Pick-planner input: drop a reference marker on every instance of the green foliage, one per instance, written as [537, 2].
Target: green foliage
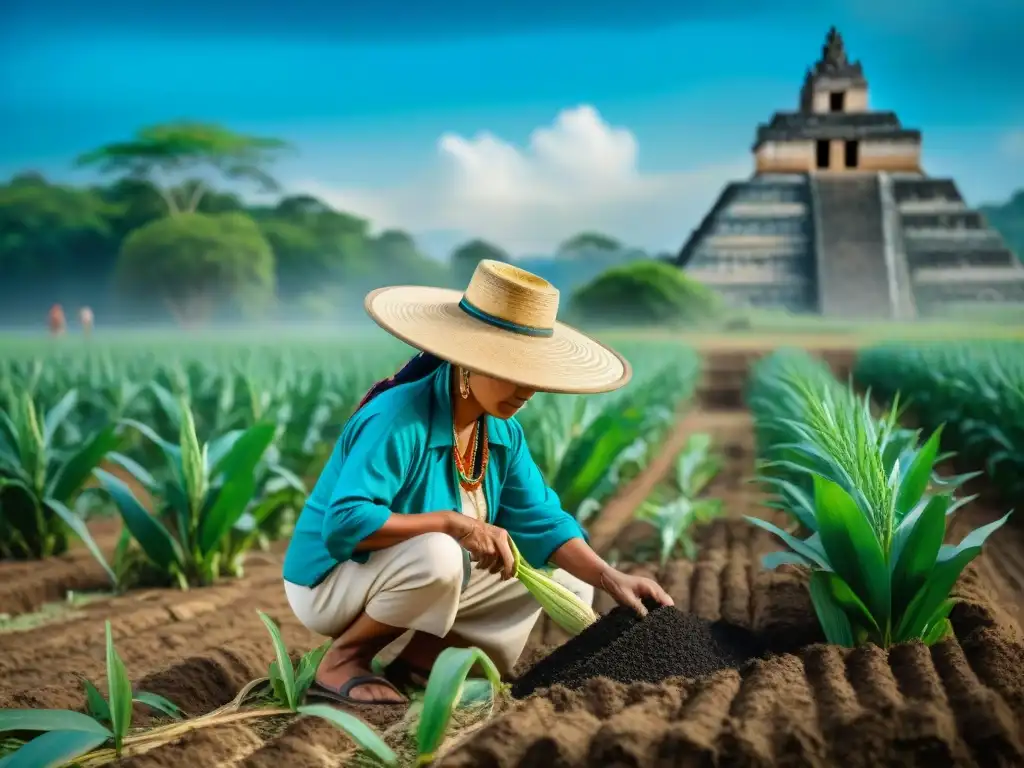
[40, 478]
[862, 488]
[187, 148]
[67, 735]
[588, 241]
[465, 258]
[587, 447]
[193, 262]
[444, 691]
[203, 493]
[673, 508]
[645, 292]
[976, 390]
[1008, 220]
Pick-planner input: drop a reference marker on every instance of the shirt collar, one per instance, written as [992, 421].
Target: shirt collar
[441, 414]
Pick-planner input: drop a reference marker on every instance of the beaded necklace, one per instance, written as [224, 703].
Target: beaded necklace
[478, 456]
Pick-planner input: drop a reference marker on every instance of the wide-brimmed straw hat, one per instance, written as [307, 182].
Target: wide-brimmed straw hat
[503, 326]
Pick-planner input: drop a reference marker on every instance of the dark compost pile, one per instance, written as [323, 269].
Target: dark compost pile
[623, 647]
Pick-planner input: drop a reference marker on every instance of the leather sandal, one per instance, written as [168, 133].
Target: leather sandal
[405, 677]
[342, 695]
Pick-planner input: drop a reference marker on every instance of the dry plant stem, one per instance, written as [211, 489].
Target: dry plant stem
[144, 742]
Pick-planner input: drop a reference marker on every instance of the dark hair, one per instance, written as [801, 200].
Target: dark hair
[419, 367]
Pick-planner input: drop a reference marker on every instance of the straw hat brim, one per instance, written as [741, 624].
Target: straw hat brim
[429, 319]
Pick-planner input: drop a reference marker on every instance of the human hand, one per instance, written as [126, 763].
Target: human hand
[630, 590]
[487, 545]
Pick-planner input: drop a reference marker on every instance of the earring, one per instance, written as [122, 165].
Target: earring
[464, 384]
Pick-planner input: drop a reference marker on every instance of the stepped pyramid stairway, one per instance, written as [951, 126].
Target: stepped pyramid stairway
[853, 276]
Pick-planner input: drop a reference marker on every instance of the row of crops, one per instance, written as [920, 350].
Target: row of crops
[867, 509]
[206, 453]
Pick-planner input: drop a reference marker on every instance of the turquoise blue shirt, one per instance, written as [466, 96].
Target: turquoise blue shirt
[395, 455]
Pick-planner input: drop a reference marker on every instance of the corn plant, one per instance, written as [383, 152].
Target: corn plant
[673, 508]
[66, 735]
[39, 480]
[191, 539]
[879, 570]
[976, 390]
[559, 602]
[587, 448]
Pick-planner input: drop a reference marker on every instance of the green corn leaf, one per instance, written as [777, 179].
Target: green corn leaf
[53, 748]
[78, 526]
[852, 547]
[773, 560]
[795, 544]
[218, 448]
[948, 566]
[937, 632]
[799, 503]
[50, 720]
[284, 662]
[358, 731]
[915, 549]
[74, 472]
[159, 703]
[95, 703]
[136, 470]
[915, 481]
[57, 415]
[238, 466]
[307, 667]
[851, 605]
[155, 540]
[192, 462]
[119, 696]
[833, 620]
[444, 691]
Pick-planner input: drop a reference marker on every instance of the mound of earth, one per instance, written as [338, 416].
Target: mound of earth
[623, 647]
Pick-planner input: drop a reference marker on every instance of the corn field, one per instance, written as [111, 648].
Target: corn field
[976, 390]
[206, 451]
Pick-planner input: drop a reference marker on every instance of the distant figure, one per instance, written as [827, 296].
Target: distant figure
[85, 318]
[57, 322]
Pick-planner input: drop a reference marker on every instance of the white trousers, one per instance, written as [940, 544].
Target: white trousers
[417, 585]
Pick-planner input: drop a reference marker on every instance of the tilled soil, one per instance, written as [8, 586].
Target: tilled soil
[958, 703]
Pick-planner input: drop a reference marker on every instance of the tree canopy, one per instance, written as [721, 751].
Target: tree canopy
[468, 255]
[645, 292]
[160, 153]
[585, 241]
[195, 262]
[1008, 219]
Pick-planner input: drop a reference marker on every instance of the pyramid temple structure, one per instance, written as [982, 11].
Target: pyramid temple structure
[840, 219]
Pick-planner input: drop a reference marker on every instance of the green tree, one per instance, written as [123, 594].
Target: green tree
[56, 244]
[585, 241]
[195, 263]
[160, 153]
[465, 258]
[645, 292]
[1008, 220]
[314, 244]
[396, 257]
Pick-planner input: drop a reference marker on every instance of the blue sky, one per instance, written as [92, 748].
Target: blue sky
[365, 92]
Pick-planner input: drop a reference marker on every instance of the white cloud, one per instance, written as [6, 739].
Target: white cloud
[1012, 144]
[578, 173]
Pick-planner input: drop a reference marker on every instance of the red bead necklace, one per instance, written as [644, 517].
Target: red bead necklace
[466, 478]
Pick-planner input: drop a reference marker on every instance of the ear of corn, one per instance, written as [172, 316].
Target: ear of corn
[866, 495]
[560, 603]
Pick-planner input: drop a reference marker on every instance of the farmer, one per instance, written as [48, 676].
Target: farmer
[85, 318]
[57, 323]
[432, 474]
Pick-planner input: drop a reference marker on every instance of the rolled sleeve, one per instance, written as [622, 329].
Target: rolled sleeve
[531, 511]
[371, 475]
